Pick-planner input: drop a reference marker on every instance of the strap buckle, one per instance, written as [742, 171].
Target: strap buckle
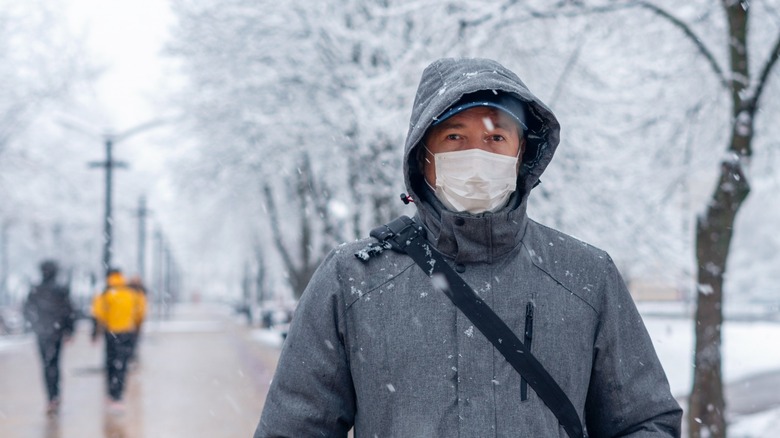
[395, 235]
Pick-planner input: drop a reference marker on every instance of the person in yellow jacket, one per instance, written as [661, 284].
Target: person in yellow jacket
[119, 311]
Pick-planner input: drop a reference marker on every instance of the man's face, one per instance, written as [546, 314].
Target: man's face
[481, 127]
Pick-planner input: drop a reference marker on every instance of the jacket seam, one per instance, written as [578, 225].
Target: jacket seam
[389, 279]
[555, 279]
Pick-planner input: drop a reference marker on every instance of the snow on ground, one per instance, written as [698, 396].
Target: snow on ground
[747, 349]
[763, 425]
[9, 342]
[268, 337]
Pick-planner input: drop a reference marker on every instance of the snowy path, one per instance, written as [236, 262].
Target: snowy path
[200, 375]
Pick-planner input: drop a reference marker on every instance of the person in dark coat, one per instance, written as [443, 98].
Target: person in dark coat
[50, 313]
[137, 285]
[376, 346]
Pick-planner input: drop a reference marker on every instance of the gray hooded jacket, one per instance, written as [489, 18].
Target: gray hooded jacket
[375, 347]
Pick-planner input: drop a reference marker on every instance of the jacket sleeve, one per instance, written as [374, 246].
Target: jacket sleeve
[30, 309]
[98, 309]
[312, 392]
[629, 394]
[141, 308]
[69, 313]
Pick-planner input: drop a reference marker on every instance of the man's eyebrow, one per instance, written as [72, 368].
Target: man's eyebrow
[450, 124]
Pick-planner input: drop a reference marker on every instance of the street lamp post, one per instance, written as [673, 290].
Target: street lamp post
[142, 213]
[4, 245]
[109, 165]
[110, 140]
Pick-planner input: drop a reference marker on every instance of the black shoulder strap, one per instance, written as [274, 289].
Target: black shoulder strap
[405, 236]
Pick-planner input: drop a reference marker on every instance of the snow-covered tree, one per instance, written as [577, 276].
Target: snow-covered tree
[302, 111]
[41, 66]
[296, 96]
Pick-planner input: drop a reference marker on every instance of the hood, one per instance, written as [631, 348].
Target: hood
[115, 279]
[49, 270]
[444, 82]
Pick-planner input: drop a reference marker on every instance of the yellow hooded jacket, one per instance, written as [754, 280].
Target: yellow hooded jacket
[119, 309]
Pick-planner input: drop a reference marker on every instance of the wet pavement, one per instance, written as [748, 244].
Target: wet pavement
[199, 374]
[754, 394]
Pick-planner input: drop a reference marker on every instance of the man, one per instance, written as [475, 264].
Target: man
[50, 313]
[377, 347]
[119, 311]
[138, 287]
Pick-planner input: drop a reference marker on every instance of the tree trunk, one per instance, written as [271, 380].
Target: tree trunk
[314, 225]
[714, 230]
[298, 269]
[260, 293]
[713, 238]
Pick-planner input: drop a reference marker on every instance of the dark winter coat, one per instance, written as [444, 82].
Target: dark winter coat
[49, 310]
[374, 345]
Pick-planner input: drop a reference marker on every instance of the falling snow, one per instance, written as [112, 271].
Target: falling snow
[704, 289]
[440, 282]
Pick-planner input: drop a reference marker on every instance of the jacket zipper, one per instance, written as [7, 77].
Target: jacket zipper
[529, 331]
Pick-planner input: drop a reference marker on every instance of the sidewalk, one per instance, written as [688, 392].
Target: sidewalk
[199, 375]
[752, 405]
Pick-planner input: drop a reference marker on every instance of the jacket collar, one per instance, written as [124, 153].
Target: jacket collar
[468, 238]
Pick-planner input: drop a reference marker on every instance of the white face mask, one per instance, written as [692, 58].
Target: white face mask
[474, 180]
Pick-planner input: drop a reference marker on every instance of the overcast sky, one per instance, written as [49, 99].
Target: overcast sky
[126, 37]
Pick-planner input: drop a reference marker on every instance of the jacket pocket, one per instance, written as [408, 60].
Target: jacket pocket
[527, 337]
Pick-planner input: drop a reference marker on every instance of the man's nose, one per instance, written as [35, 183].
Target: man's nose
[477, 144]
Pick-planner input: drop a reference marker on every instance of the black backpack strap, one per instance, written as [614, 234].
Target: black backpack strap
[404, 235]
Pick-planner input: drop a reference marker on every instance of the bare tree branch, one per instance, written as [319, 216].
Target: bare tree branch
[581, 10]
[506, 20]
[477, 21]
[570, 63]
[764, 76]
[273, 215]
[692, 36]
[321, 198]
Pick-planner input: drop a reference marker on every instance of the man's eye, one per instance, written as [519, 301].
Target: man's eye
[496, 137]
[453, 137]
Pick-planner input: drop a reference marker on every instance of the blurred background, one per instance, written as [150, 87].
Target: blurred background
[248, 138]
[219, 149]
